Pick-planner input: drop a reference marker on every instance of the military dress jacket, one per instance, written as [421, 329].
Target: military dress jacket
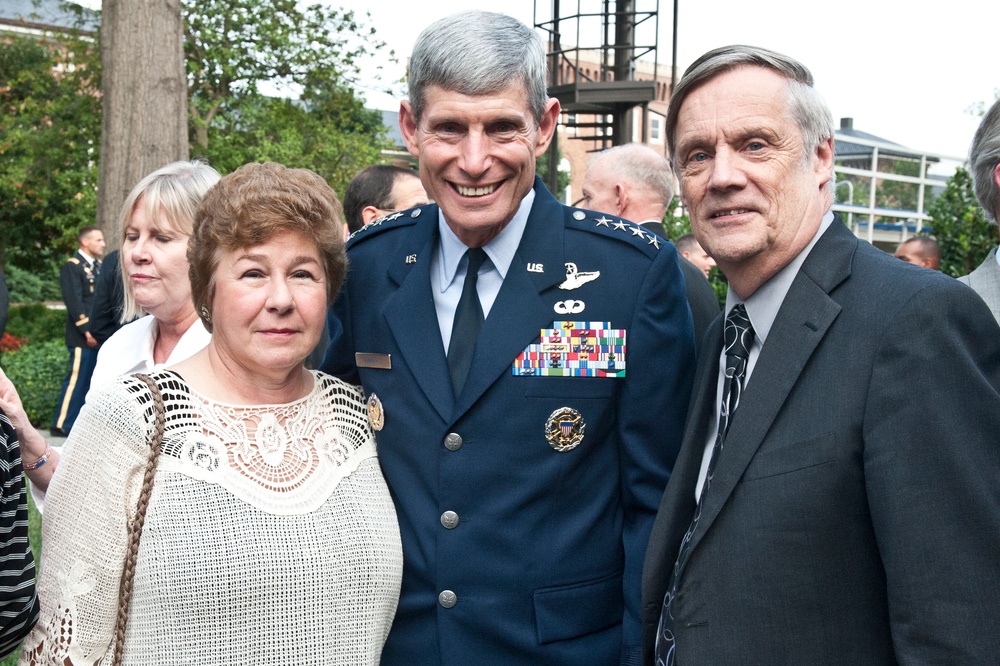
[525, 504]
[76, 279]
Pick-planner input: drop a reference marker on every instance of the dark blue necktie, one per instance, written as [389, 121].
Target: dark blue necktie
[738, 337]
[468, 321]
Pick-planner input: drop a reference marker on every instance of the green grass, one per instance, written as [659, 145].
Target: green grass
[35, 538]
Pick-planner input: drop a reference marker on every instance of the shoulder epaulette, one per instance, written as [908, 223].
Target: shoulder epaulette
[73, 260]
[395, 220]
[616, 228]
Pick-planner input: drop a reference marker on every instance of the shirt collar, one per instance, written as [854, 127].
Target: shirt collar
[763, 304]
[500, 250]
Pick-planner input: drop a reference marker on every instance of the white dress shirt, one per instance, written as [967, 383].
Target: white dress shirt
[448, 267]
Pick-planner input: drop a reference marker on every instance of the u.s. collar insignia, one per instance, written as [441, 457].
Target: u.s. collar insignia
[376, 415]
[564, 429]
[576, 279]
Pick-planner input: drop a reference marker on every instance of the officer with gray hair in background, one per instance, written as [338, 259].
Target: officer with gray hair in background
[984, 162]
[635, 182]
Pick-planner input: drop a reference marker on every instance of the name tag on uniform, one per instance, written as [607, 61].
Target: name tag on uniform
[377, 361]
[574, 349]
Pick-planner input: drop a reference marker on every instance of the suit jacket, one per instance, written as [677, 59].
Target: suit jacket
[854, 513]
[701, 296]
[985, 280]
[701, 299]
[109, 299]
[76, 279]
[543, 551]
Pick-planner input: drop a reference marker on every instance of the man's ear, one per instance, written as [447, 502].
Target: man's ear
[622, 200]
[369, 214]
[408, 127]
[547, 126]
[824, 161]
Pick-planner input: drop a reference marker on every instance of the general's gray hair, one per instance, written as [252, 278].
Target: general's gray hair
[984, 155]
[809, 109]
[641, 165]
[478, 53]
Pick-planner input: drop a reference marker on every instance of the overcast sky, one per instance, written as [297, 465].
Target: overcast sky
[904, 72]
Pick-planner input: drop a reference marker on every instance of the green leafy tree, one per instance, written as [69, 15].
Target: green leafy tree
[960, 226]
[234, 48]
[50, 124]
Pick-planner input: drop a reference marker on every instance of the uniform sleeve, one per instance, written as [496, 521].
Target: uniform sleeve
[88, 506]
[932, 471]
[72, 284]
[339, 358]
[106, 308]
[651, 412]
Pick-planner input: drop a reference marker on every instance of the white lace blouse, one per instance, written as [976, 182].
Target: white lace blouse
[270, 536]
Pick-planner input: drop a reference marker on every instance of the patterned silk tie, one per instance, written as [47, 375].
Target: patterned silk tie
[468, 321]
[738, 337]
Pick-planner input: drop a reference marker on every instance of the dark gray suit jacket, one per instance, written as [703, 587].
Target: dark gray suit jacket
[854, 514]
[985, 280]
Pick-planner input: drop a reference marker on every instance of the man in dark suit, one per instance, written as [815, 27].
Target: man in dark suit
[76, 278]
[528, 410]
[635, 182]
[835, 500]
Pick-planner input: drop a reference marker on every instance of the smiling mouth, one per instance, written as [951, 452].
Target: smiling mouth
[734, 211]
[475, 191]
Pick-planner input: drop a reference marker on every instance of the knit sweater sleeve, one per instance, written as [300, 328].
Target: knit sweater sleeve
[89, 505]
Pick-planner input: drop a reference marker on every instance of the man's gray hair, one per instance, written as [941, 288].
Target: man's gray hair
[478, 53]
[640, 165]
[984, 155]
[809, 110]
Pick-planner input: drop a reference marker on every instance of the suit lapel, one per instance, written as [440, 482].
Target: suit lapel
[986, 281]
[803, 319]
[412, 317]
[519, 313]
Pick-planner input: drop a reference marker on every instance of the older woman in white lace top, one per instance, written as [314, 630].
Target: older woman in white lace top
[270, 536]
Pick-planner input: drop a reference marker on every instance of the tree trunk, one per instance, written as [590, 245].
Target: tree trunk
[144, 90]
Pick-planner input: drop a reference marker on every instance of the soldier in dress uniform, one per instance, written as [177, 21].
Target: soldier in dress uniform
[76, 279]
[525, 477]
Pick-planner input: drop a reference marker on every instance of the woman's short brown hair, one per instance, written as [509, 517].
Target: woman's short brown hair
[249, 207]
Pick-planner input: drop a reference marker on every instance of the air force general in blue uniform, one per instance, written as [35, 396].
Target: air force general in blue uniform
[526, 488]
[516, 552]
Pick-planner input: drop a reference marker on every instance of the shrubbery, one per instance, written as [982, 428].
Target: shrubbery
[37, 370]
[30, 287]
[37, 323]
[33, 354]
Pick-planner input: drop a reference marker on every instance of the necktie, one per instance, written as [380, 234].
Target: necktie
[738, 336]
[468, 321]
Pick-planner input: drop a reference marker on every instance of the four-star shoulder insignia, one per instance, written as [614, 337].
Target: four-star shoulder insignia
[613, 225]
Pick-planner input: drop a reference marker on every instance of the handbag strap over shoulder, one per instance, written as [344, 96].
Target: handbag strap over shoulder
[135, 527]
